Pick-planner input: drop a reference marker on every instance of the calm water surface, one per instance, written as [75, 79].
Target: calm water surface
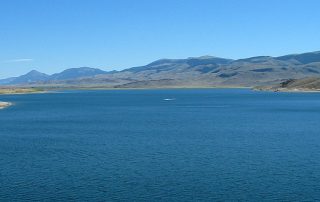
[133, 145]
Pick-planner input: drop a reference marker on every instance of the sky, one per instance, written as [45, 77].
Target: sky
[53, 35]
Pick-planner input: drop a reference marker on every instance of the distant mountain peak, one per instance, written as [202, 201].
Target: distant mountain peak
[35, 76]
[74, 73]
[303, 58]
[34, 72]
[31, 77]
[86, 69]
[203, 57]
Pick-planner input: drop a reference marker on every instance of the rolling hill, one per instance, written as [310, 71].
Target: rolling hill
[206, 71]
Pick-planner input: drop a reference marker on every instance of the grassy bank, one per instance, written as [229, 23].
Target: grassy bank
[16, 90]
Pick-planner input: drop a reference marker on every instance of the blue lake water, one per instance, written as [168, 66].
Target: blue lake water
[133, 145]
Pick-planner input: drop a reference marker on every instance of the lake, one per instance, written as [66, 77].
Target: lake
[160, 145]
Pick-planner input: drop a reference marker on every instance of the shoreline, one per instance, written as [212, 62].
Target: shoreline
[160, 88]
[287, 90]
[298, 90]
[21, 91]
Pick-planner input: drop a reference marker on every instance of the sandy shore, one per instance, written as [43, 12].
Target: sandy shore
[288, 90]
[5, 104]
[299, 90]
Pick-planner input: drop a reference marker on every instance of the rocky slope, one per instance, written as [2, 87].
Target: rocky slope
[307, 84]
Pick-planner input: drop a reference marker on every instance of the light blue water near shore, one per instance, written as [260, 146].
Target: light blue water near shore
[133, 145]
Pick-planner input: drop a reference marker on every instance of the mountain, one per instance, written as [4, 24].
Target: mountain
[212, 71]
[35, 77]
[173, 64]
[75, 73]
[205, 71]
[304, 58]
[7, 80]
[31, 77]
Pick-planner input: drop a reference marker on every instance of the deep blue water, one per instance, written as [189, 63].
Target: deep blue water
[132, 145]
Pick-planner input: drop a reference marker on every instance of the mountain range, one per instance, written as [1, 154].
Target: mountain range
[34, 77]
[205, 71]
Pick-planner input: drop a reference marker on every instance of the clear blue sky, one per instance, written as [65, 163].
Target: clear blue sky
[52, 35]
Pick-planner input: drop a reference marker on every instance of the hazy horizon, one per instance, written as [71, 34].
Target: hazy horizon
[110, 69]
